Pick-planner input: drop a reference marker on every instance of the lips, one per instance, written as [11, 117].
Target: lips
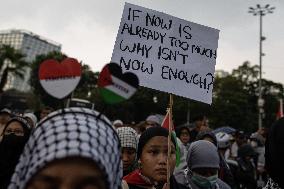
[161, 171]
[126, 164]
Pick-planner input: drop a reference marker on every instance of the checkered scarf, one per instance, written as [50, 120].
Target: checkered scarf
[127, 137]
[67, 133]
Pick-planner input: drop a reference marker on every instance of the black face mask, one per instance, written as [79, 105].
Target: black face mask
[13, 142]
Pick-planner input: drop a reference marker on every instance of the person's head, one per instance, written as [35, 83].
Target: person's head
[152, 121]
[15, 134]
[203, 160]
[128, 140]
[274, 152]
[31, 118]
[152, 154]
[207, 135]
[45, 111]
[199, 121]
[70, 148]
[223, 140]
[117, 123]
[5, 115]
[240, 138]
[246, 152]
[183, 134]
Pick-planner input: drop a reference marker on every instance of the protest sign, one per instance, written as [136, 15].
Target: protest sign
[59, 79]
[167, 53]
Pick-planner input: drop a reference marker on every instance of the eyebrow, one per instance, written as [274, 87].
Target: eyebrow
[97, 181]
[46, 178]
[84, 181]
[159, 146]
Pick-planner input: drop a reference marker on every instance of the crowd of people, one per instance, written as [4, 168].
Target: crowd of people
[79, 148]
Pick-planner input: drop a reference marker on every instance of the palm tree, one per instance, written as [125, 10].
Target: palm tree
[11, 62]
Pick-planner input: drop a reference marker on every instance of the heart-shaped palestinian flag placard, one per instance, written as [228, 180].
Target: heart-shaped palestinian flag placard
[59, 79]
[114, 86]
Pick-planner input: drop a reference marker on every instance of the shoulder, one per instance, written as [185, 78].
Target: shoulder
[176, 185]
[223, 185]
[124, 185]
[130, 186]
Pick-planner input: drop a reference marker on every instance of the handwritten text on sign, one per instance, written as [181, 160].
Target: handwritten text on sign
[167, 53]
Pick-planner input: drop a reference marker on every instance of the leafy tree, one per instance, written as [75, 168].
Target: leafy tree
[232, 105]
[235, 99]
[11, 62]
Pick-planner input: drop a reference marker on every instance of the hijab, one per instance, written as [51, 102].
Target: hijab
[72, 132]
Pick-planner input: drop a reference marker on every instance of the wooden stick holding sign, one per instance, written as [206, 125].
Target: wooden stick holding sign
[168, 124]
[169, 140]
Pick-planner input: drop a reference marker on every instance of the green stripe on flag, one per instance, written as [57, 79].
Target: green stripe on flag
[110, 96]
[177, 149]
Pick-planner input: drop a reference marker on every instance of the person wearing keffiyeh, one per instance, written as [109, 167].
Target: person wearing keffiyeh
[70, 148]
[128, 140]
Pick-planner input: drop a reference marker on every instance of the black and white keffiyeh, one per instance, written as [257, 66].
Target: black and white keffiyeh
[127, 137]
[67, 133]
[271, 185]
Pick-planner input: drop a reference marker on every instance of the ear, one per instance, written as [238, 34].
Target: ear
[139, 164]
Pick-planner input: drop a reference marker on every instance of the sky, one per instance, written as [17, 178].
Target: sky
[87, 29]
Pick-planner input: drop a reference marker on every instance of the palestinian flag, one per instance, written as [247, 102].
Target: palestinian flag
[166, 124]
[115, 86]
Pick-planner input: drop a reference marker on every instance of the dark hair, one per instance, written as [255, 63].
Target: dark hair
[203, 134]
[24, 123]
[150, 133]
[198, 117]
[180, 129]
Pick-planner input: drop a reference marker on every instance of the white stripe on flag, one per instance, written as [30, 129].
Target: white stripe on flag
[121, 88]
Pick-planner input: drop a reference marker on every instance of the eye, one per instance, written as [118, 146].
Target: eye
[8, 131]
[154, 152]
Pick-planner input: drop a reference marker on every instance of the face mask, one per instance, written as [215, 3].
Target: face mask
[204, 182]
[13, 142]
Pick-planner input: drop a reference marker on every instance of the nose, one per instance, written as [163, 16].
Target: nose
[125, 157]
[162, 159]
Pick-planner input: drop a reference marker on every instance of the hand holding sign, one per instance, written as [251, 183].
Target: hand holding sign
[59, 79]
[114, 86]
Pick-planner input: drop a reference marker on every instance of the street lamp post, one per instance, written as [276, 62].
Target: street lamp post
[260, 11]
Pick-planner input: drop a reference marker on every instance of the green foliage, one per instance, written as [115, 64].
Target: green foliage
[234, 99]
[11, 62]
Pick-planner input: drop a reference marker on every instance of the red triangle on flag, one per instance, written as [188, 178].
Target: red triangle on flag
[166, 121]
[105, 78]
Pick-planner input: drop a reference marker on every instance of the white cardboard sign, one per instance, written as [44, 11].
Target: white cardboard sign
[167, 53]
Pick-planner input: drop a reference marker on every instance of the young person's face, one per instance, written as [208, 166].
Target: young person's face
[71, 173]
[128, 157]
[154, 159]
[184, 136]
[16, 128]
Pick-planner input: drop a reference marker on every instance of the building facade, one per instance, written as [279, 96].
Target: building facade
[30, 45]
